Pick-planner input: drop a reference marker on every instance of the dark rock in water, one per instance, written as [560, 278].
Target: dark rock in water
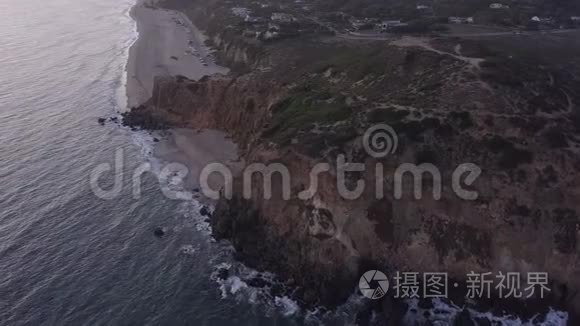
[204, 211]
[114, 119]
[310, 297]
[464, 319]
[363, 318]
[160, 232]
[425, 304]
[102, 121]
[483, 322]
[155, 140]
[223, 273]
[365, 315]
[195, 190]
[141, 117]
[257, 282]
[278, 290]
[394, 309]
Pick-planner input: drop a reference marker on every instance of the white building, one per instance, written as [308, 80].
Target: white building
[273, 27]
[388, 24]
[241, 12]
[545, 20]
[282, 17]
[461, 20]
[360, 23]
[498, 6]
[253, 20]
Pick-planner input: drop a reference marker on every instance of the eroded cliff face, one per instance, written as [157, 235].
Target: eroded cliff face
[238, 105]
[327, 242]
[517, 122]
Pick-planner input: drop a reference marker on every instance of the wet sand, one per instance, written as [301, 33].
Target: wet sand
[196, 149]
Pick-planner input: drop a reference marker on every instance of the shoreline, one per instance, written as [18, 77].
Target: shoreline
[169, 44]
[185, 143]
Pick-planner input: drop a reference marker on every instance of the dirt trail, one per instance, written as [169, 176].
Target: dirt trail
[422, 42]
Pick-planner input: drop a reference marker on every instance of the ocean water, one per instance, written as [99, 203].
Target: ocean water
[68, 257]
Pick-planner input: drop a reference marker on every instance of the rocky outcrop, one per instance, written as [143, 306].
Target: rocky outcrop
[238, 105]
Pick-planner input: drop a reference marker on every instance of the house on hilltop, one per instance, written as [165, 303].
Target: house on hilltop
[461, 20]
[241, 12]
[254, 20]
[498, 6]
[282, 17]
[544, 20]
[424, 9]
[541, 23]
[390, 24]
[362, 24]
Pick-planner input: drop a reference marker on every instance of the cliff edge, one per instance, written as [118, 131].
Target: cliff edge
[449, 102]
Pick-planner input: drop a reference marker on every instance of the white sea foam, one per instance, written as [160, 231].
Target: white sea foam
[552, 318]
[236, 284]
[288, 306]
[443, 314]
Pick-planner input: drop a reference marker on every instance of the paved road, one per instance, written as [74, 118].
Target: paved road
[387, 37]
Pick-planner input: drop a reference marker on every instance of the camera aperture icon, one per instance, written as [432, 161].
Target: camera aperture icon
[373, 284]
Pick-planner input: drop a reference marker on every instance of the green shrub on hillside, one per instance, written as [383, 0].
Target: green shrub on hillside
[300, 111]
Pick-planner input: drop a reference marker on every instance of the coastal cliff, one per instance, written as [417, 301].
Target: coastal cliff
[450, 102]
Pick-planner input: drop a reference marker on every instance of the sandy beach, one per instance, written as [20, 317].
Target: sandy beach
[196, 149]
[169, 44]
